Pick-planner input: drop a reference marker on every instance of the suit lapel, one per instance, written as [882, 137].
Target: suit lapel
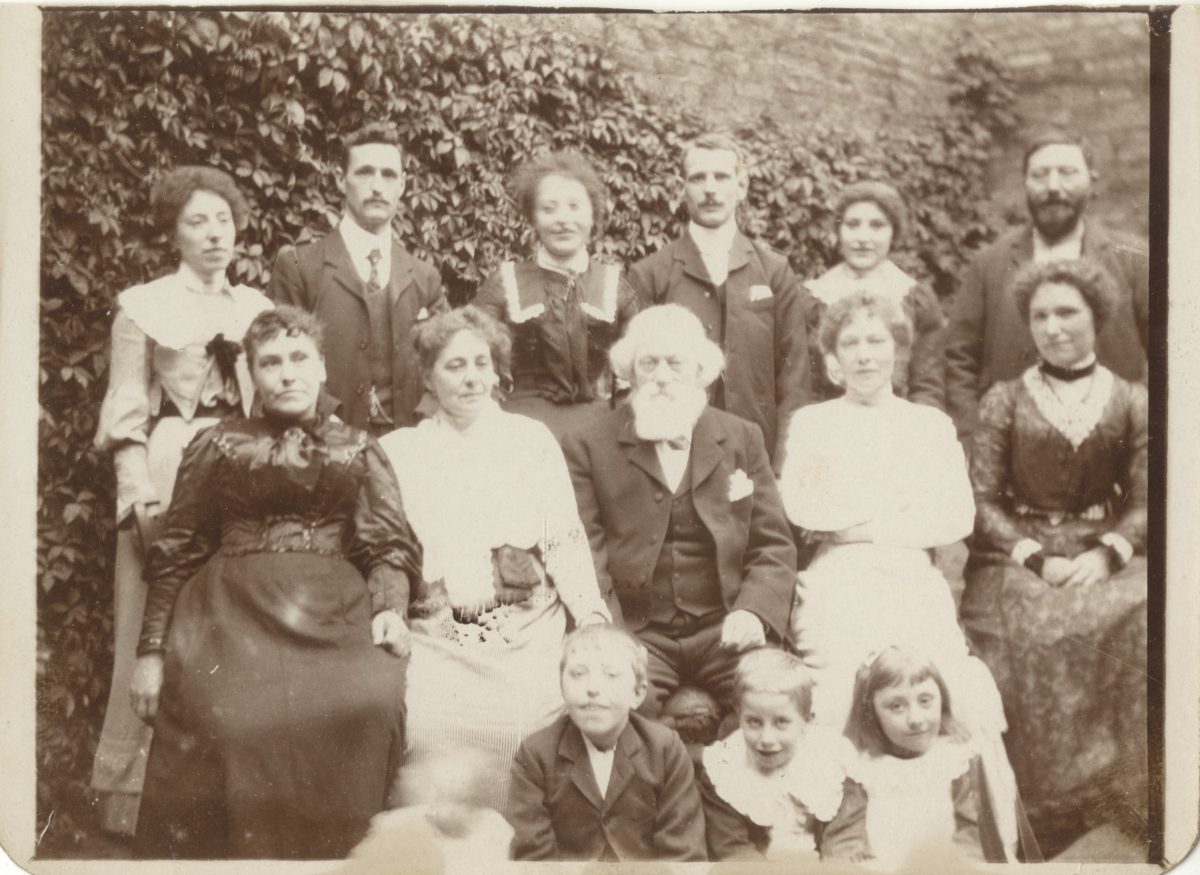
[707, 451]
[689, 254]
[401, 276]
[629, 749]
[340, 266]
[572, 749]
[1022, 248]
[737, 284]
[640, 453]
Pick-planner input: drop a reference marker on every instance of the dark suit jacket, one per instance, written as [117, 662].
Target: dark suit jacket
[320, 277]
[625, 506]
[651, 810]
[987, 342]
[765, 342]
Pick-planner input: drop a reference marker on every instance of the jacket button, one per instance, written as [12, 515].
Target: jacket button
[358, 391]
[362, 345]
[658, 496]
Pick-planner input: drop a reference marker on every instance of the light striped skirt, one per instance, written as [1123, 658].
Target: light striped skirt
[477, 700]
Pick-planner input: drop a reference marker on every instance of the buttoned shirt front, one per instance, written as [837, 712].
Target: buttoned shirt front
[714, 245]
[361, 243]
[602, 764]
[673, 462]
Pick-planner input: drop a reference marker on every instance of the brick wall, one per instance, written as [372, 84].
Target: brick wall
[1087, 70]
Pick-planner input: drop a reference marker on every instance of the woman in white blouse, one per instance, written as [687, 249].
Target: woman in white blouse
[506, 561]
[877, 481]
[176, 368]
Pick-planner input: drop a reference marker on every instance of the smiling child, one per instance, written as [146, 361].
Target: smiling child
[603, 783]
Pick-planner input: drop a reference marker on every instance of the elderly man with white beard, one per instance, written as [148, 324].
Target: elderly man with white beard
[687, 529]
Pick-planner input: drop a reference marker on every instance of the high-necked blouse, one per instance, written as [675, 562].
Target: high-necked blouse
[1058, 472]
[563, 324]
[160, 336]
[502, 480]
[267, 485]
[919, 373]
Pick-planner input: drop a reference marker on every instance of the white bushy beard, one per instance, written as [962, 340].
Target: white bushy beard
[666, 413]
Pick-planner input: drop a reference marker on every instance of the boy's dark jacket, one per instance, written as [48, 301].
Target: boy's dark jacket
[651, 810]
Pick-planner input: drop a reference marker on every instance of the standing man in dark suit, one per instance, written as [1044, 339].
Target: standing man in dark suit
[987, 341]
[368, 291]
[687, 529]
[743, 292]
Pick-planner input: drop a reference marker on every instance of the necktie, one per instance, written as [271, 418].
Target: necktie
[679, 443]
[373, 280]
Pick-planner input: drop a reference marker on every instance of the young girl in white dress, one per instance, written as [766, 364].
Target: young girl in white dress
[770, 787]
[918, 795]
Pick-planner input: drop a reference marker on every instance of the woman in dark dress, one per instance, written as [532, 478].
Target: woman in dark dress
[564, 307]
[278, 721]
[1055, 600]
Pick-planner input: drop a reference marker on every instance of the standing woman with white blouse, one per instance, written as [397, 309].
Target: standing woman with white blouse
[176, 368]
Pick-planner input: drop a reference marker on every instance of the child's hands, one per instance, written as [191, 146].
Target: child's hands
[742, 630]
[1090, 567]
[1056, 570]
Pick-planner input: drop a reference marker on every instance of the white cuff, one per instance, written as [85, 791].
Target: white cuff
[1117, 542]
[1025, 548]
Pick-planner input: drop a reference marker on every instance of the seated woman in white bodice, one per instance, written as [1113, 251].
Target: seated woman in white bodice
[877, 481]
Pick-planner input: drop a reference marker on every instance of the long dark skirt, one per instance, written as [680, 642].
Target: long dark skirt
[1070, 663]
[280, 723]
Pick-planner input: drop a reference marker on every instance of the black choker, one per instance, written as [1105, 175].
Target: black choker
[1067, 375]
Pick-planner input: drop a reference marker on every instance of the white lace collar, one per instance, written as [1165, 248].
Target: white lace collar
[1074, 421]
[886, 280]
[941, 764]
[176, 310]
[810, 783]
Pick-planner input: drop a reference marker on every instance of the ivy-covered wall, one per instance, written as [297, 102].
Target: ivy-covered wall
[265, 95]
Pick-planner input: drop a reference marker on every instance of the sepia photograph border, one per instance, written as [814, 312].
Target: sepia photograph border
[1173, 555]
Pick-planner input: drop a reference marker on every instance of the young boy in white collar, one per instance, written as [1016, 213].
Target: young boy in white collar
[601, 782]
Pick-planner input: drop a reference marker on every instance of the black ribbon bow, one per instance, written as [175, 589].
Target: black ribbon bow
[226, 353]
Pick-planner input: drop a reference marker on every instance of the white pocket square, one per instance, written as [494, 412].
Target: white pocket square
[422, 314]
[760, 293]
[740, 485]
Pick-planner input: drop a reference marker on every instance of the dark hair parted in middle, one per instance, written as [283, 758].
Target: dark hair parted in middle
[841, 312]
[883, 195]
[431, 336]
[570, 165]
[170, 195]
[1094, 284]
[283, 319]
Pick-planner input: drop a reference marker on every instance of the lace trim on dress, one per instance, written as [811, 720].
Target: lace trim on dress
[607, 311]
[886, 774]
[165, 311]
[810, 784]
[512, 295]
[1073, 421]
[887, 280]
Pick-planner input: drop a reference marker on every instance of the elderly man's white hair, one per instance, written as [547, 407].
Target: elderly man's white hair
[673, 321]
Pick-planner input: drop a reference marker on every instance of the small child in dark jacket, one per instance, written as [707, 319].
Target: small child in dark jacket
[600, 782]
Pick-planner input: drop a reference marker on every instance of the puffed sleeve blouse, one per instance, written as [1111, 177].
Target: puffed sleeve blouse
[1083, 469]
[160, 336]
[563, 326]
[270, 485]
[897, 465]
